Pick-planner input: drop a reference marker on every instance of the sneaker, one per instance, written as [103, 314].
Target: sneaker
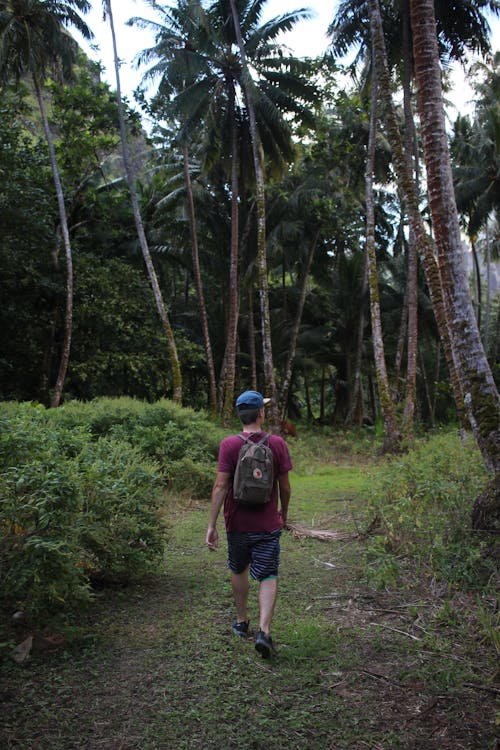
[240, 628]
[264, 645]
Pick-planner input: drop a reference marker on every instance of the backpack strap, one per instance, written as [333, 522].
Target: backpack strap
[259, 442]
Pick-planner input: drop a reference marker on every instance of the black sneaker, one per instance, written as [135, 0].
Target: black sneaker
[264, 645]
[240, 628]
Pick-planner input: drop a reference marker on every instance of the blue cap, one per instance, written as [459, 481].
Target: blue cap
[251, 400]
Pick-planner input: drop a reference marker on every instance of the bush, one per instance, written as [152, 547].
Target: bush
[424, 500]
[40, 555]
[119, 523]
[81, 494]
[178, 439]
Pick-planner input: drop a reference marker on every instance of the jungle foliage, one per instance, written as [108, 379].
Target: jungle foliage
[82, 490]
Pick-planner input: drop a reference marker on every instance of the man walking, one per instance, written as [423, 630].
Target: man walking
[253, 531]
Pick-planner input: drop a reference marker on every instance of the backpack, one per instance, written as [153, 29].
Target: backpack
[253, 478]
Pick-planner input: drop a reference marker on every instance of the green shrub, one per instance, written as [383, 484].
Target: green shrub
[80, 491]
[119, 523]
[163, 431]
[424, 500]
[73, 508]
[40, 557]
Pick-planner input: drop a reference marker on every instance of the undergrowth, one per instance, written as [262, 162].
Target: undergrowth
[424, 501]
[81, 491]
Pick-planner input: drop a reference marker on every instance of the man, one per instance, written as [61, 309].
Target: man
[253, 532]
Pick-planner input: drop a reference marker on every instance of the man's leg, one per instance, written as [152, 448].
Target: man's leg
[268, 591]
[240, 585]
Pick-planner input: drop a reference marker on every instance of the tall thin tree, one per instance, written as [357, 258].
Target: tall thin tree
[258, 162]
[480, 394]
[391, 433]
[179, 63]
[153, 279]
[35, 42]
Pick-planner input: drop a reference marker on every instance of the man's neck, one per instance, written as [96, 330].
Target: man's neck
[255, 427]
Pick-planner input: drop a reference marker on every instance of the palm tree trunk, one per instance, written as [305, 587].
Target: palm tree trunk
[480, 393]
[412, 278]
[310, 415]
[292, 348]
[427, 390]
[391, 441]
[402, 335]
[153, 279]
[355, 412]
[479, 290]
[487, 312]
[251, 339]
[407, 185]
[258, 160]
[212, 386]
[322, 396]
[68, 320]
[232, 328]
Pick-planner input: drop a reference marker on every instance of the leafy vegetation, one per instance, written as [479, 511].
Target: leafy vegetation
[423, 501]
[411, 665]
[81, 495]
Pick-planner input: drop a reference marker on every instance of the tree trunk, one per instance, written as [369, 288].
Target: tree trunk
[322, 396]
[355, 412]
[212, 385]
[310, 415]
[427, 391]
[153, 279]
[287, 379]
[412, 278]
[391, 441]
[251, 339]
[479, 289]
[68, 319]
[232, 328]
[402, 336]
[487, 312]
[258, 160]
[480, 393]
[407, 185]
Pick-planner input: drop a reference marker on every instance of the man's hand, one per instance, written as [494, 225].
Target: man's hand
[212, 540]
[219, 491]
[283, 518]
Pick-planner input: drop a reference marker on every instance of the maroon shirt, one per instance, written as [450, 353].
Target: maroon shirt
[265, 518]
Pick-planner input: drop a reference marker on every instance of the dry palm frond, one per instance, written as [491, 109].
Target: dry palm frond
[330, 535]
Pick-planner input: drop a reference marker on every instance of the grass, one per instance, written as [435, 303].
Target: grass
[157, 666]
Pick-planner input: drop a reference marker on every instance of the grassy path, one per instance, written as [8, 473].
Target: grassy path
[356, 668]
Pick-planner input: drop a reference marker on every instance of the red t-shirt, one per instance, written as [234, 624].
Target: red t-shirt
[265, 518]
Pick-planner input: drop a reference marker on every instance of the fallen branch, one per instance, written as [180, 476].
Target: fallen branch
[330, 535]
[325, 535]
[486, 688]
[395, 630]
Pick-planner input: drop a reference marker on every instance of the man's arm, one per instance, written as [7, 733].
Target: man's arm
[219, 492]
[285, 493]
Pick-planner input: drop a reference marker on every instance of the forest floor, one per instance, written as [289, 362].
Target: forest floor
[356, 668]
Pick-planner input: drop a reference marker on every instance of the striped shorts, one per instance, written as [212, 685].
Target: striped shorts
[260, 551]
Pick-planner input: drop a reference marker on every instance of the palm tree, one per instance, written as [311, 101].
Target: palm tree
[408, 188]
[461, 27]
[480, 393]
[34, 41]
[391, 442]
[160, 305]
[258, 159]
[177, 65]
[214, 97]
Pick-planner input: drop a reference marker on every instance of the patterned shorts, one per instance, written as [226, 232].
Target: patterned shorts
[260, 551]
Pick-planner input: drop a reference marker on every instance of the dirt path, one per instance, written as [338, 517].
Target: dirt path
[357, 668]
